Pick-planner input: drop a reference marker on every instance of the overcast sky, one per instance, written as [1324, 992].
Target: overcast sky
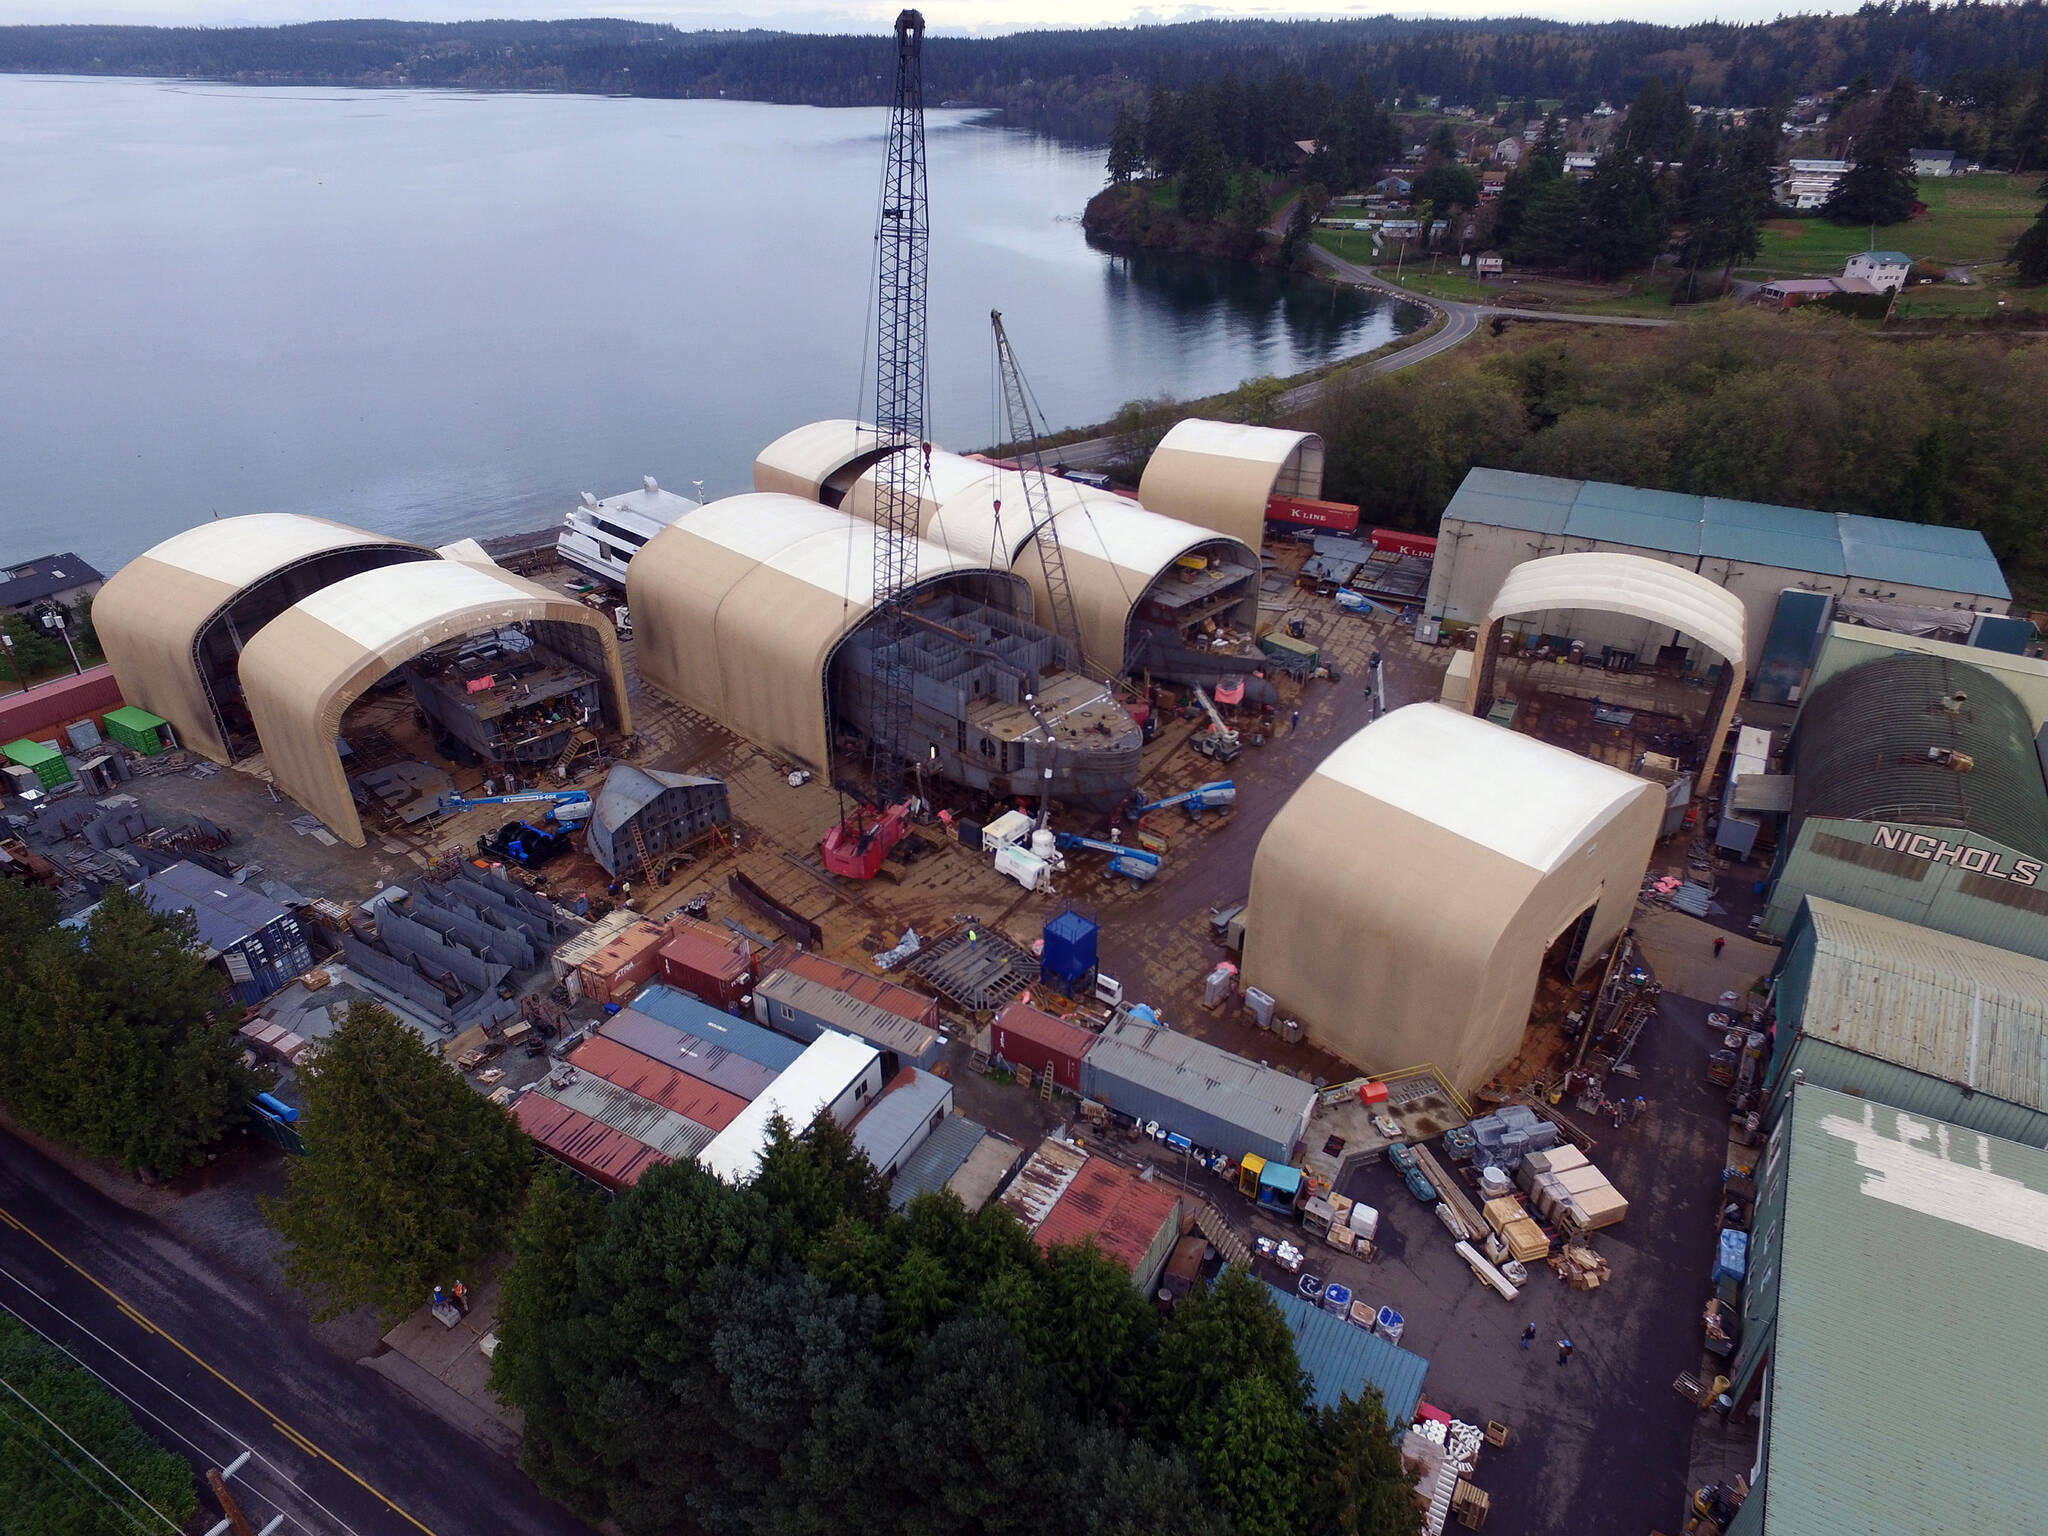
[852, 15]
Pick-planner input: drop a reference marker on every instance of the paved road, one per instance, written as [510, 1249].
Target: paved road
[211, 1368]
[1460, 321]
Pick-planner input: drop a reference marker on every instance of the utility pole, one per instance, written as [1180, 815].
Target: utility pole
[7, 641]
[237, 1522]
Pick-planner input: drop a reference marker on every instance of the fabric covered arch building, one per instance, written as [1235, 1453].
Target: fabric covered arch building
[1225, 474]
[255, 634]
[173, 622]
[1407, 896]
[1668, 600]
[1151, 593]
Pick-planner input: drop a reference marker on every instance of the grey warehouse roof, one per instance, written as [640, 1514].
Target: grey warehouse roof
[742, 1037]
[852, 1015]
[1859, 751]
[1942, 1006]
[890, 1120]
[1791, 538]
[226, 913]
[1193, 1072]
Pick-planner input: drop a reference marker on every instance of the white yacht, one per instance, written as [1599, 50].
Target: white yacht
[601, 537]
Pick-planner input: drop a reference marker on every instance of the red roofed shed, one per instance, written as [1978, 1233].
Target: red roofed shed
[708, 961]
[596, 1151]
[1133, 1220]
[1026, 1037]
[690, 1097]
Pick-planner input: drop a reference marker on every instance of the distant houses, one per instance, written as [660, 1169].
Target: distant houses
[1808, 184]
[1883, 270]
[1937, 162]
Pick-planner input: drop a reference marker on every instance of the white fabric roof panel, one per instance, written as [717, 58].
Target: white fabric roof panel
[242, 550]
[378, 608]
[799, 462]
[1508, 793]
[1618, 583]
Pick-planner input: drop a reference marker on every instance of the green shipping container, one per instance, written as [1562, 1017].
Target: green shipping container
[49, 766]
[137, 729]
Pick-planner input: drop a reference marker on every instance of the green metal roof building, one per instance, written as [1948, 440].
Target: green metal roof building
[1499, 519]
[1913, 1019]
[1892, 1327]
[1917, 793]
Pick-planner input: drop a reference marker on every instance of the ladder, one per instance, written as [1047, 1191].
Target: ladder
[1045, 1083]
[639, 842]
[580, 742]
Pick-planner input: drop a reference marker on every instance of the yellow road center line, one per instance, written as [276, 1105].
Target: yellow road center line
[137, 1316]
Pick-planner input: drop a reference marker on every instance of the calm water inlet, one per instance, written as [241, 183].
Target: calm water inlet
[438, 314]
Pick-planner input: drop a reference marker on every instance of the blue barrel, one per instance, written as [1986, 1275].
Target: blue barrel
[278, 1107]
[1337, 1299]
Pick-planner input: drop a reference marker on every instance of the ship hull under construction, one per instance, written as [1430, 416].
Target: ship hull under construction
[995, 704]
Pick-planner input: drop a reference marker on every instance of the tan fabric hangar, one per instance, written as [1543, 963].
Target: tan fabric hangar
[1115, 552]
[304, 669]
[1404, 898]
[1221, 474]
[738, 608]
[173, 622]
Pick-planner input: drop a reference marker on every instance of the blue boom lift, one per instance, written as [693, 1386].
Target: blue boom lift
[1136, 865]
[1215, 796]
[567, 806]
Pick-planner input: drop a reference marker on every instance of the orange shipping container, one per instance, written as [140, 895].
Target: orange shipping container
[614, 971]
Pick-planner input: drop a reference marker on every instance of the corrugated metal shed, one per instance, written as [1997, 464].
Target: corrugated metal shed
[690, 1097]
[596, 1151]
[689, 1053]
[1910, 1270]
[800, 1006]
[901, 1001]
[931, 1165]
[1042, 1180]
[1916, 1019]
[680, 1011]
[1860, 750]
[1215, 1099]
[1135, 1221]
[1026, 1037]
[1343, 1360]
[891, 1129]
[226, 913]
[629, 1114]
[1789, 538]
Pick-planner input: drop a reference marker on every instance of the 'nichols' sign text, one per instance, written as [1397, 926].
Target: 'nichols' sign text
[1977, 861]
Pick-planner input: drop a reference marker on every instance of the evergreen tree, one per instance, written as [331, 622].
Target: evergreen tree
[1251, 1449]
[1357, 1485]
[2030, 252]
[1880, 187]
[1126, 146]
[118, 1040]
[410, 1175]
[561, 1216]
[1205, 184]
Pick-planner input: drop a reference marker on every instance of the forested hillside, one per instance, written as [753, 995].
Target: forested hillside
[1072, 81]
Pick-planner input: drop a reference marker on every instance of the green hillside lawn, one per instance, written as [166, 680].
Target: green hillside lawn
[1969, 219]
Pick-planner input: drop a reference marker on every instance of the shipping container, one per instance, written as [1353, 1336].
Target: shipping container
[1312, 512]
[1028, 1038]
[670, 1087]
[690, 1054]
[624, 963]
[915, 1006]
[596, 1151]
[707, 961]
[680, 1011]
[1219, 1101]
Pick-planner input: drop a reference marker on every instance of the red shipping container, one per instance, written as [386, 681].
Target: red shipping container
[596, 1151]
[710, 963]
[610, 975]
[690, 1097]
[1025, 1037]
[1338, 515]
[1404, 543]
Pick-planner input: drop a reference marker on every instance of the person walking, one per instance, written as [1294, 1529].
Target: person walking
[1719, 945]
[462, 1298]
[1564, 1349]
[1528, 1335]
[1294, 722]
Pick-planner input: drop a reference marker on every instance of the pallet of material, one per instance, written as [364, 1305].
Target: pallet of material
[1518, 1229]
